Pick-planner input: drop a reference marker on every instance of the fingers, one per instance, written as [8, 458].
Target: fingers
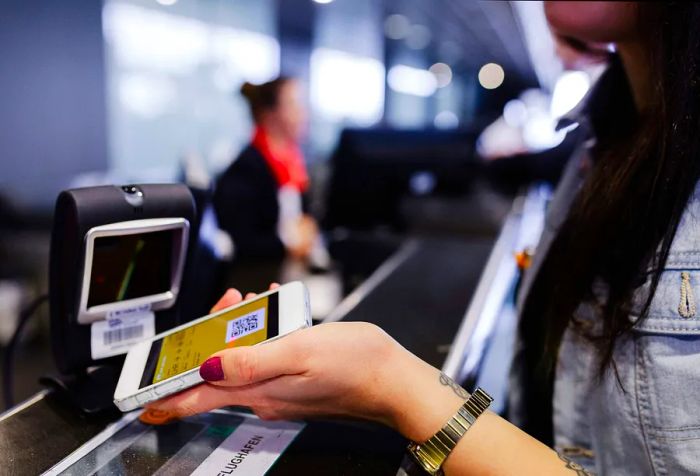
[265, 399]
[233, 296]
[241, 366]
[230, 297]
[251, 295]
[245, 365]
[204, 398]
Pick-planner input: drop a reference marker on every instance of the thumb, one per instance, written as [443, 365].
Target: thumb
[240, 366]
[204, 398]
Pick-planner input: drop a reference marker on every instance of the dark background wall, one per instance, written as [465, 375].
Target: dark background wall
[52, 101]
[295, 29]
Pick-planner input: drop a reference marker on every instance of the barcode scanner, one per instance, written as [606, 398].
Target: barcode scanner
[118, 254]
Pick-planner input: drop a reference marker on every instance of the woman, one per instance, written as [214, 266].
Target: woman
[612, 335]
[259, 199]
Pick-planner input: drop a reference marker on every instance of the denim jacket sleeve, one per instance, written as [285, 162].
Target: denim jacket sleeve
[667, 356]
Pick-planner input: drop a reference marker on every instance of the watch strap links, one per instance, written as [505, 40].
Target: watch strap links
[432, 453]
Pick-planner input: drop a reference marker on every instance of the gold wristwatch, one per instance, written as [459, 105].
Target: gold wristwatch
[431, 454]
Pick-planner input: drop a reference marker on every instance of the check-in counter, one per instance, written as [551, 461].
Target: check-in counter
[420, 295]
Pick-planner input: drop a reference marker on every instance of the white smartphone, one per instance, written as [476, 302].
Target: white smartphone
[169, 362]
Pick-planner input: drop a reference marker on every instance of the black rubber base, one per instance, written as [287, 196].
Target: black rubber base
[91, 392]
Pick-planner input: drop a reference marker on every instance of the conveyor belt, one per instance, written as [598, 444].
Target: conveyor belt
[423, 300]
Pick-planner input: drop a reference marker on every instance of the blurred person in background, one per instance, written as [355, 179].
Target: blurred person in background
[609, 324]
[260, 200]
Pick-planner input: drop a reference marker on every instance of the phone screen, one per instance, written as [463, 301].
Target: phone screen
[187, 349]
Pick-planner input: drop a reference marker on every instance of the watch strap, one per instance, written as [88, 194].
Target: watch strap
[432, 453]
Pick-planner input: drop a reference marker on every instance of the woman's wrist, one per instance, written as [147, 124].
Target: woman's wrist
[421, 399]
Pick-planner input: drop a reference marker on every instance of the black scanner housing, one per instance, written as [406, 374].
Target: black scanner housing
[77, 211]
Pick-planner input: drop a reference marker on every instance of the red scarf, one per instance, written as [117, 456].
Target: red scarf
[287, 165]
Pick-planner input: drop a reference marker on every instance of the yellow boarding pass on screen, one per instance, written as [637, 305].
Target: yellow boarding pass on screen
[189, 348]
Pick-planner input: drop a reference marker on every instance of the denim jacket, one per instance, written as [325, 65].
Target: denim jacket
[649, 421]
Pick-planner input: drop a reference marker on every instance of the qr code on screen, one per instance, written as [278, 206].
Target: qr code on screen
[244, 325]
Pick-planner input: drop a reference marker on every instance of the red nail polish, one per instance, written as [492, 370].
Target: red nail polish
[211, 370]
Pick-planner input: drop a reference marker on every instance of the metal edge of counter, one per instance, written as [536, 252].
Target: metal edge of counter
[487, 297]
[24, 405]
[522, 229]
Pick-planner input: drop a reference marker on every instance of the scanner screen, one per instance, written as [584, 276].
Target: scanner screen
[131, 266]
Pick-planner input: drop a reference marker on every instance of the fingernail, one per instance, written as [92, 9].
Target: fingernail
[211, 370]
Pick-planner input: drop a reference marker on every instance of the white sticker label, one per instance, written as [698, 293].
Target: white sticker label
[251, 449]
[129, 312]
[244, 325]
[116, 335]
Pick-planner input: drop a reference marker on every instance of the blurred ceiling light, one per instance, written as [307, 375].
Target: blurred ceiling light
[491, 75]
[422, 183]
[569, 89]
[167, 3]
[146, 95]
[419, 37]
[223, 81]
[245, 55]
[323, 1]
[515, 113]
[535, 99]
[539, 132]
[397, 27]
[446, 120]
[409, 80]
[443, 74]
[346, 86]
[151, 40]
[155, 40]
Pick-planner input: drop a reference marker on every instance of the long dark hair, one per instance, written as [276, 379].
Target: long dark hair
[624, 218]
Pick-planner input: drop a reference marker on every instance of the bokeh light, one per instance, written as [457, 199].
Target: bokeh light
[491, 76]
[397, 27]
[410, 80]
[443, 74]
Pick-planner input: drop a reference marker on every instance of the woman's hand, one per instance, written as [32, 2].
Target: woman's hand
[306, 235]
[356, 370]
[339, 369]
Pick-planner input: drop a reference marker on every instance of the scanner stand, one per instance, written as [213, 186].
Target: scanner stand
[134, 238]
[91, 391]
